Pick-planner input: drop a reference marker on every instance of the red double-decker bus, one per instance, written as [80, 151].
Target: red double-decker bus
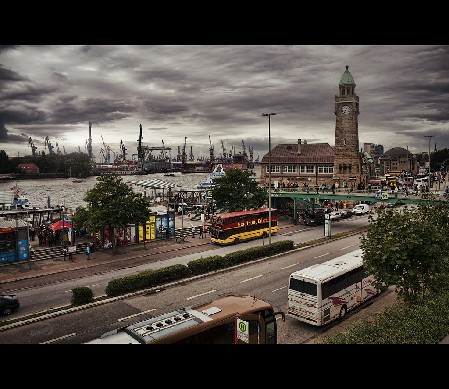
[235, 227]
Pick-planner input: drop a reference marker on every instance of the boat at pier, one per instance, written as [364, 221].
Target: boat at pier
[208, 183]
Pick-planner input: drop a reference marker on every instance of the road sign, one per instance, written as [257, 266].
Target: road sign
[242, 330]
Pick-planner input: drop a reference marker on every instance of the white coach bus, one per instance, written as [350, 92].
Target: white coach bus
[324, 292]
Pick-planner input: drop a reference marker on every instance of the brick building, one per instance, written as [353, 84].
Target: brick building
[317, 164]
[28, 168]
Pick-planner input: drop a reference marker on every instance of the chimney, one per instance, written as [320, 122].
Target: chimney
[299, 146]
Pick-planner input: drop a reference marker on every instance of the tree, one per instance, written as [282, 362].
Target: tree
[237, 191]
[5, 165]
[408, 249]
[112, 204]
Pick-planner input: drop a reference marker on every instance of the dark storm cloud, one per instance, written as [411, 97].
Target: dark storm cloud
[221, 91]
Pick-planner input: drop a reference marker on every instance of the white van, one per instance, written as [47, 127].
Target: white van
[361, 209]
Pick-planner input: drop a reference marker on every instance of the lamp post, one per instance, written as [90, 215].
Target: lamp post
[269, 174]
[430, 138]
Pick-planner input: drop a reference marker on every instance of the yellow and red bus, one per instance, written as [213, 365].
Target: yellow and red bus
[233, 319]
[234, 227]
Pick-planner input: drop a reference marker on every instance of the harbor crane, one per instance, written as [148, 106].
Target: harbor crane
[191, 156]
[33, 147]
[105, 151]
[139, 147]
[251, 153]
[163, 151]
[122, 157]
[223, 151]
[244, 149]
[89, 143]
[184, 154]
[211, 151]
[48, 144]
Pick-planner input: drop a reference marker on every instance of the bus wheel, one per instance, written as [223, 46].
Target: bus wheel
[343, 311]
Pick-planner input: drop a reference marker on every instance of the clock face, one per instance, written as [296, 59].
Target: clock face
[345, 109]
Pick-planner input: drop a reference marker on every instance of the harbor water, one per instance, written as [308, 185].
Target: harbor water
[69, 192]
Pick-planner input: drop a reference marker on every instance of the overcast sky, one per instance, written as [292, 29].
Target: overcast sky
[202, 91]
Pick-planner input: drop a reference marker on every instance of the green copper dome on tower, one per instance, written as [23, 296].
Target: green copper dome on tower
[346, 78]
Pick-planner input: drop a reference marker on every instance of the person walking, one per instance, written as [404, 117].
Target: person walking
[64, 253]
[92, 250]
[88, 252]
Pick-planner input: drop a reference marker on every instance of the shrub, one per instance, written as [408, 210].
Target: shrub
[82, 295]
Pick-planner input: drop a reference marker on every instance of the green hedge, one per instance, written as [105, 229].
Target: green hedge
[82, 295]
[146, 279]
[151, 278]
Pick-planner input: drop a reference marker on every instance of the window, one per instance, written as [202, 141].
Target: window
[307, 169]
[289, 169]
[325, 170]
[274, 169]
[303, 286]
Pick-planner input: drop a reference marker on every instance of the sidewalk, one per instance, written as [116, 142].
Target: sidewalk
[102, 260]
[26, 274]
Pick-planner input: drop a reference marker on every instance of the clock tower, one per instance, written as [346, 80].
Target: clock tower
[347, 157]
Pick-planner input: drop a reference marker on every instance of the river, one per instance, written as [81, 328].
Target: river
[69, 192]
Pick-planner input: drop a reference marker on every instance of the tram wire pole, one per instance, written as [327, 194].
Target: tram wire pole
[269, 174]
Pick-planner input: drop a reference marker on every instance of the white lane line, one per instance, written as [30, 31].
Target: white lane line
[250, 279]
[56, 339]
[282, 287]
[136, 314]
[347, 247]
[322, 255]
[202, 294]
[283, 268]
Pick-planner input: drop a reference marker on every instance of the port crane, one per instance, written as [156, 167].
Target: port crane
[211, 151]
[184, 155]
[48, 144]
[33, 147]
[105, 151]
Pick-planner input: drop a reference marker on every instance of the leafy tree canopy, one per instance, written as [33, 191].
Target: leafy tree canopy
[408, 249]
[237, 190]
[113, 204]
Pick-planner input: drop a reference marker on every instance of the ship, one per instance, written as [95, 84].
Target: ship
[209, 182]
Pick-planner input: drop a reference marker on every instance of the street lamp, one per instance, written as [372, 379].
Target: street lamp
[269, 174]
[430, 138]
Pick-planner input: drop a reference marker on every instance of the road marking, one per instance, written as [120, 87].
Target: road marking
[60, 338]
[202, 294]
[250, 279]
[282, 287]
[347, 247]
[322, 255]
[136, 314]
[283, 268]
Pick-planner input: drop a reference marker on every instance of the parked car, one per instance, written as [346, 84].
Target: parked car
[346, 213]
[361, 209]
[9, 303]
[335, 215]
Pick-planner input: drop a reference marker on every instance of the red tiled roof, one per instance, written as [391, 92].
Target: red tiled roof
[310, 153]
[27, 166]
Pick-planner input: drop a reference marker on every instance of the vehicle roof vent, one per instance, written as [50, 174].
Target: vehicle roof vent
[211, 311]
